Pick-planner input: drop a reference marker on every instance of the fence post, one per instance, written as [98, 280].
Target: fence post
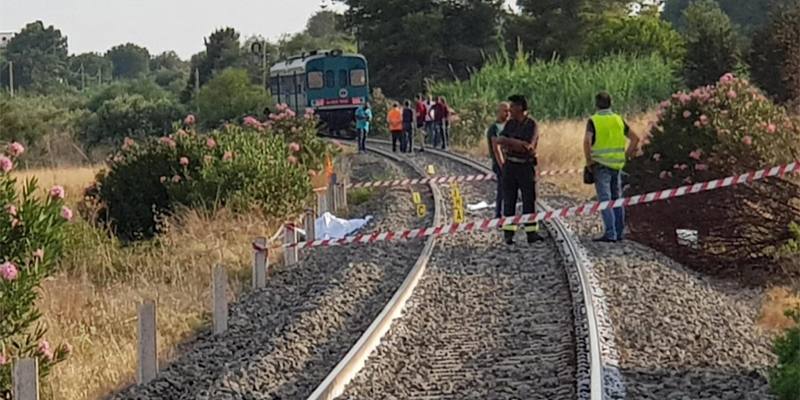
[309, 222]
[148, 358]
[322, 202]
[332, 200]
[342, 196]
[25, 378]
[219, 299]
[289, 237]
[260, 263]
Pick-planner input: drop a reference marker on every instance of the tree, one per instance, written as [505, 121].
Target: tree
[222, 51]
[168, 60]
[39, 55]
[130, 61]
[88, 69]
[639, 35]
[747, 15]
[324, 23]
[711, 44]
[230, 96]
[775, 62]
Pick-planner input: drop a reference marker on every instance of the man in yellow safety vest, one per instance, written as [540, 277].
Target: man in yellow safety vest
[604, 148]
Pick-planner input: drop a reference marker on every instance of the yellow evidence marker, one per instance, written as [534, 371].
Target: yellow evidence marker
[431, 171]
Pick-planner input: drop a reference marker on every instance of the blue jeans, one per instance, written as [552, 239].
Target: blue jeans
[362, 140]
[438, 135]
[608, 183]
[498, 202]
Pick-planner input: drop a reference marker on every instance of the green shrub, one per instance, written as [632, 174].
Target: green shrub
[775, 59]
[258, 166]
[636, 35]
[711, 44]
[230, 96]
[785, 377]
[31, 238]
[28, 119]
[131, 116]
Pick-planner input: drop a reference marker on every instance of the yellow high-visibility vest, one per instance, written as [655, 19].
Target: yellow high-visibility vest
[609, 140]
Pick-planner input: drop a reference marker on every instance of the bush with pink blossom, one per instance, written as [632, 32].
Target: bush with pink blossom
[31, 239]
[716, 131]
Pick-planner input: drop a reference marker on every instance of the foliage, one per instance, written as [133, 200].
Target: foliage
[39, 55]
[89, 69]
[775, 61]
[229, 97]
[31, 238]
[144, 87]
[131, 116]
[747, 15]
[714, 132]
[785, 377]
[637, 35]
[380, 106]
[28, 119]
[711, 44]
[168, 60]
[129, 60]
[557, 89]
[420, 39]
[265, 167]
[222, 51]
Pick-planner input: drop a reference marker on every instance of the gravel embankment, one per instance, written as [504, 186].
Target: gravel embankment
[283, 340]
[487, 321]
[680, 335]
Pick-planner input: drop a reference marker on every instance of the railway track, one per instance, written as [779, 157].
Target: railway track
[484, 321]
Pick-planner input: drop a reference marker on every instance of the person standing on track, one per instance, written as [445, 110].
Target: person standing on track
[492, 133]
[604, 148]
[518, 141]
[363, 117]
[408, 128]
[395, 120]
[422, 111]
[430, 131]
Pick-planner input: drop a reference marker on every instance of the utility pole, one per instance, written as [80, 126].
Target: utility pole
[264, 65]
[11, 77]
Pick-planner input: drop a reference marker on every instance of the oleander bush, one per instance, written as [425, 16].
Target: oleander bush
[785, 377]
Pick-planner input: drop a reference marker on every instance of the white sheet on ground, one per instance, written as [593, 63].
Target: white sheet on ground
[480, 206]
[328, 226]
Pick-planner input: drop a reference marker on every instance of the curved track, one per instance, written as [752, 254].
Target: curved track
[485, 321]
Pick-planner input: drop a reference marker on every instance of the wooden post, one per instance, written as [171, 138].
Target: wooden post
[148, 358]
[310, 221]
[342, 196]
[322, 202]
[289, 237]
[219, 299]
[332, 204]
[25, 378]
[260, 263]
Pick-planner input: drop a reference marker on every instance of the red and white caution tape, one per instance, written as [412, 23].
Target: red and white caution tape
[585, 209]
[450, 179]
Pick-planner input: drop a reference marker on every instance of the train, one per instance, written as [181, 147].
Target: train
[332, 83]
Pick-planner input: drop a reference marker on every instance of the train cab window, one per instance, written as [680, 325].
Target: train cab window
[358, 77]
[342, 78]
[287, 84]
[315, 80]
[273, 84]
[329, 82]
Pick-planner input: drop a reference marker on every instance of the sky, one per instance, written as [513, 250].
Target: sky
[159, 25]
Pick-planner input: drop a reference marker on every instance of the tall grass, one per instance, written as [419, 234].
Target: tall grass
[564, 89]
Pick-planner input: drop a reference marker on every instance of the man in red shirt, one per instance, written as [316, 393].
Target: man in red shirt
[421, 111]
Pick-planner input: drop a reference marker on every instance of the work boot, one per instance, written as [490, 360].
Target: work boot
[509, 236]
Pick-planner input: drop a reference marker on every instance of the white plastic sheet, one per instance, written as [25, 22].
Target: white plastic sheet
[328, 226]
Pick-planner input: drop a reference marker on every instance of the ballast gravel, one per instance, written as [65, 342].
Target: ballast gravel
[283, 340]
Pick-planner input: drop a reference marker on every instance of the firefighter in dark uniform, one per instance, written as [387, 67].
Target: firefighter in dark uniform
[518, 143]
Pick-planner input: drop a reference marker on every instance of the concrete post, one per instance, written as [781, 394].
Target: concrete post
[309, 225]
[148, 358]
[219, 299]
[332, 200]
[260, 263]
[289, 237]
[25, 379]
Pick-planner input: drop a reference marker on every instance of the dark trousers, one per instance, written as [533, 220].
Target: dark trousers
[409, 137]
[518, 177]
[498, 200]
[398, 138]
[362, 140]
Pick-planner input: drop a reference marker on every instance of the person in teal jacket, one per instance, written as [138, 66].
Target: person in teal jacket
[363, 118]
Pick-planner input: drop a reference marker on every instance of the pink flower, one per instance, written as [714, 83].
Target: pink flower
[14, 222]
[252, 122]
[166, 140]
[732, 94]
[38, 254]
[657, 157]
[727, 78]
[176, 179]
[687, 114]
[8, 271]
[6, 165]
[127, 143]
[696, 155]
[771, 128]
[11, 210]
[67, 348]
[697, 124]
[57, 192]
[294, 147]
[704, 120]
[184, 161]
[665, 104]
[66, 213]
[292, 160]
[664, 174]
[211, 143]
[747, 140]
[3, 359]
[227, 156]
[683, 167]
[15, 149]
[701, 167]
[163, 179]
[676, 166]
[45, 350]
[189, 120]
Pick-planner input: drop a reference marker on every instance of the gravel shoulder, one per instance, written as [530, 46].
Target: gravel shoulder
[283, 340]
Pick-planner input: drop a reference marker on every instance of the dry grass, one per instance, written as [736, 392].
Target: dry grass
[92, 302]
[561, 147]
[776, 302]
[74, 179]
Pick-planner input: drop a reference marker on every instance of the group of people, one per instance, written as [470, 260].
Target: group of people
[513, 139]
[431, 118]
